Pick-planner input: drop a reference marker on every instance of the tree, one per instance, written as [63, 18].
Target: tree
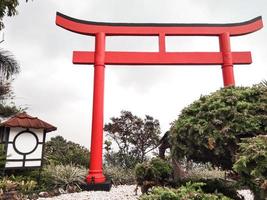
[60, 151]
[8, 7]
[8, 68]
[8, 65]
[210, 129]
[134, 137]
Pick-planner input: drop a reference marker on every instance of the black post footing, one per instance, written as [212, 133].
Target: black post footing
[106, 186]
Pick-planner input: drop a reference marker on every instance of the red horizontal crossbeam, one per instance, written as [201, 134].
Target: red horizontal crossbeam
[154, 58]
[91, 28]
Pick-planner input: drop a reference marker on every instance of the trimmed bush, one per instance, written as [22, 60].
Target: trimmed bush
[210, 129]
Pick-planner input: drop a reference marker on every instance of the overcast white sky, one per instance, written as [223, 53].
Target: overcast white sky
[60, 93]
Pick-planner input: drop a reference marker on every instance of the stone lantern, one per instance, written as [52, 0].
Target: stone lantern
[23, 138]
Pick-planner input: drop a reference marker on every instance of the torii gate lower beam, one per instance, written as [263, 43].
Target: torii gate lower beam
[100, 57]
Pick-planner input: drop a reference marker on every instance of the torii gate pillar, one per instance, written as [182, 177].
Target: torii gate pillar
[96, 171]
[227, 66]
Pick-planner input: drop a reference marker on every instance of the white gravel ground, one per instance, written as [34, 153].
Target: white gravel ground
[121, 192]
[247, 194]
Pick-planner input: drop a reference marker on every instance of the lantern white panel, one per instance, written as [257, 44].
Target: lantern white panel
[25, 142]
[12, 154]
[37, 154]
[13, 132]
[36, 163]
[39, 133]
[14, 164]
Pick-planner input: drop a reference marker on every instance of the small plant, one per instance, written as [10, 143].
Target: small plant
[27, 187]
[7, 185]
[190, 191]
[15, 188]
[120, 176]
[65, 176]
[155, 172]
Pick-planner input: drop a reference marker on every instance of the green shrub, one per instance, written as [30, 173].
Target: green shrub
[12, 183]
[155, 172]
[64, 176]
[60, 151]
[252, 164]
[225, 187]
[119, 176]
[210, 129]
[190, 191]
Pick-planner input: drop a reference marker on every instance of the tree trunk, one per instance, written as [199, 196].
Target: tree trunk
[178, 171]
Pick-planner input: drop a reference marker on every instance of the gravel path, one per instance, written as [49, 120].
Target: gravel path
[121, 192]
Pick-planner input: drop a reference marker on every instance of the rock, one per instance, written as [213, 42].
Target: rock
[62, 191]
[43, 194]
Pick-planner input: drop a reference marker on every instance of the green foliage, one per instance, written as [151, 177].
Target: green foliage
[120, 176]
[213, 183]
[134, 137]
[227, 188]
[155, 172]
[210, 129]
[190, 191]
[60, 151]
[64, 176]
[8, 68]
[8, 110]
[252, 163]
[8, 7]
[16, 183]
[120, 159]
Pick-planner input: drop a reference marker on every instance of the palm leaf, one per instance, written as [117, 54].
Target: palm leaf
[8, 65]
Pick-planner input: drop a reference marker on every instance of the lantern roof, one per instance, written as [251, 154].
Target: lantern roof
[26, 121]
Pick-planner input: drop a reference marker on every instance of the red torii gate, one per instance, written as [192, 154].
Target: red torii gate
[100, 57]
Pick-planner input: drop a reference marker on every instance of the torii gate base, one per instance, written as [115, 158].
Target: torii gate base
[105, 186]
[225, 58]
